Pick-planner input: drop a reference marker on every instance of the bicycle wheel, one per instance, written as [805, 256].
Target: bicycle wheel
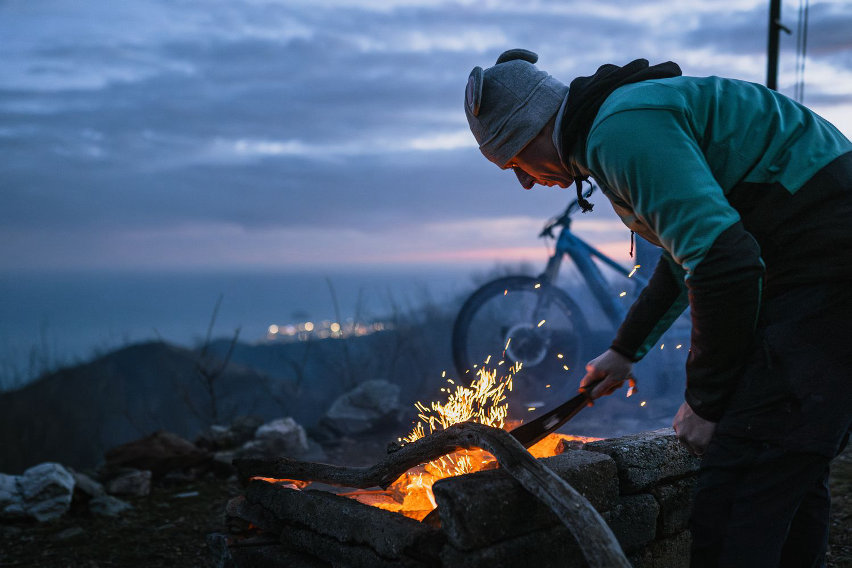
[518, 320]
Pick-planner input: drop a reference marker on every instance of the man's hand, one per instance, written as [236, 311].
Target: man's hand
[693, 431]
[613, 368]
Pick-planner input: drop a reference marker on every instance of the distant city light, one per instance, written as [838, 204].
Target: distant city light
[325, 329]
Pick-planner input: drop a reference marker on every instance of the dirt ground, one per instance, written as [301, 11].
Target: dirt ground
[168, 529]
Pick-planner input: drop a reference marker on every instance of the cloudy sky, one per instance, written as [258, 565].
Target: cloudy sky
[279, 134]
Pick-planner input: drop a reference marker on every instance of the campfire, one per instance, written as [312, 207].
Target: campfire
[483, 401]
[589, 506]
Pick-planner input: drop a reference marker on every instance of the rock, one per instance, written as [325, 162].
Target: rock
[219, 437]
[11, 502]
[159, 453]
[244, 427]
[283, 431]
[130, 482]
[671, 552]
[221, 464]
[482, 508]
[553, 547]
[46, 490]
[646, 459]
[280, 437]
[69, 533]
[219, 546]
[85, 485]
[369, 407]
[108, 506]
[634, 521]
[675, 500]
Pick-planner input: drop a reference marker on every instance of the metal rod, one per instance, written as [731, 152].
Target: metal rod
[774, 32]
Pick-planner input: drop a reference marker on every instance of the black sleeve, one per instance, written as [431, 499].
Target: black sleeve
[658, 305]
[724, 298]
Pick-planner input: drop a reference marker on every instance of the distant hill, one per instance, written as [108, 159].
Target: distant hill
[74, 414]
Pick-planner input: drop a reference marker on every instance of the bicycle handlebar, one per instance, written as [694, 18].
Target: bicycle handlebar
[565, 219]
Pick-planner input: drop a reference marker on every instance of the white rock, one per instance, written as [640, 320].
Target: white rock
[285, 434]
[364, 408]
[11, 502]
[46, 490]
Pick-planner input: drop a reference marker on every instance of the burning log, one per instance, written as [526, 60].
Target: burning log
[597, 542]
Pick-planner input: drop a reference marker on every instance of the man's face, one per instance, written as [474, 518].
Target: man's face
[538, 162]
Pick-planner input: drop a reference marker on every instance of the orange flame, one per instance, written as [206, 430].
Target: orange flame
[483, 401]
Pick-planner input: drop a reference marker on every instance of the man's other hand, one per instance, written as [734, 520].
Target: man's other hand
[693, 431]
[611, 368]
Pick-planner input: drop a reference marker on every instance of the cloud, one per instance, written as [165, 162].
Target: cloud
[315, 123]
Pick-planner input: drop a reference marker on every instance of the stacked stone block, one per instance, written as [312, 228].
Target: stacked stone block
[640, 484]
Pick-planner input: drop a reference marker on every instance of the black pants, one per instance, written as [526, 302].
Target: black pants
[762, 497]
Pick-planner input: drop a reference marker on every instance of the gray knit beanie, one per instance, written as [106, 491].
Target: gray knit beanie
[508, 104]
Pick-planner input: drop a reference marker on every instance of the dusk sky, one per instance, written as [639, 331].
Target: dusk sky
[280, 134]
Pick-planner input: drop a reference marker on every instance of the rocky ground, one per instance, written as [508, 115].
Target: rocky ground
[168, 527]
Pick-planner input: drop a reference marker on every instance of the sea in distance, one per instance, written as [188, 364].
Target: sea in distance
[53, 319]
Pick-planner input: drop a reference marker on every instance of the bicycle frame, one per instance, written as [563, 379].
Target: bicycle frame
[583, 255]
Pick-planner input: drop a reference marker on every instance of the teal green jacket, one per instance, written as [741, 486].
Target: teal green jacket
[667, 152]
[697, 165]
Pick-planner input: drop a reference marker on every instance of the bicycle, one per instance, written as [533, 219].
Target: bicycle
[532, 321]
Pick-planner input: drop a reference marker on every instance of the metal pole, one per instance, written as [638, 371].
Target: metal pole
[774, 32]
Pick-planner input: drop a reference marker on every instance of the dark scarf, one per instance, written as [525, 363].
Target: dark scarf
[587, 94]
